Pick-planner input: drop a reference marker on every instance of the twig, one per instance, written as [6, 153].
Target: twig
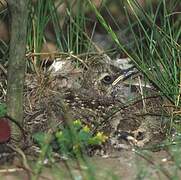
[150, 114]
[11, 170]
[21, 153]
[122, 106]
[3, 69]
[142, 95]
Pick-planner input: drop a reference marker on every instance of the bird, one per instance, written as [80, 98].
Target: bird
[99, 101]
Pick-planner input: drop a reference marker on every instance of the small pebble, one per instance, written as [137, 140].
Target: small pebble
[164, 160]
[77, 98]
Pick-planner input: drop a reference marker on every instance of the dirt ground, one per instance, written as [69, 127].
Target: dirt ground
[126, 165]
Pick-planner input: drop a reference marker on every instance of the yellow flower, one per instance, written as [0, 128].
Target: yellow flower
[77, 122]
[59, 134]
[100, 136]
[86, 129]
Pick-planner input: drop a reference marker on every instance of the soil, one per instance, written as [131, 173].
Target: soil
[126, 165]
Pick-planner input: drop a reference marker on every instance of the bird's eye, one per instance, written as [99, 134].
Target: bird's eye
[107, 79]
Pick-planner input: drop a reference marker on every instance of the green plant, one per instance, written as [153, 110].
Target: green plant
[71, 140]
[157, 51]
[39, 17]
[44, 141]
[68, 28]
[81, 139]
